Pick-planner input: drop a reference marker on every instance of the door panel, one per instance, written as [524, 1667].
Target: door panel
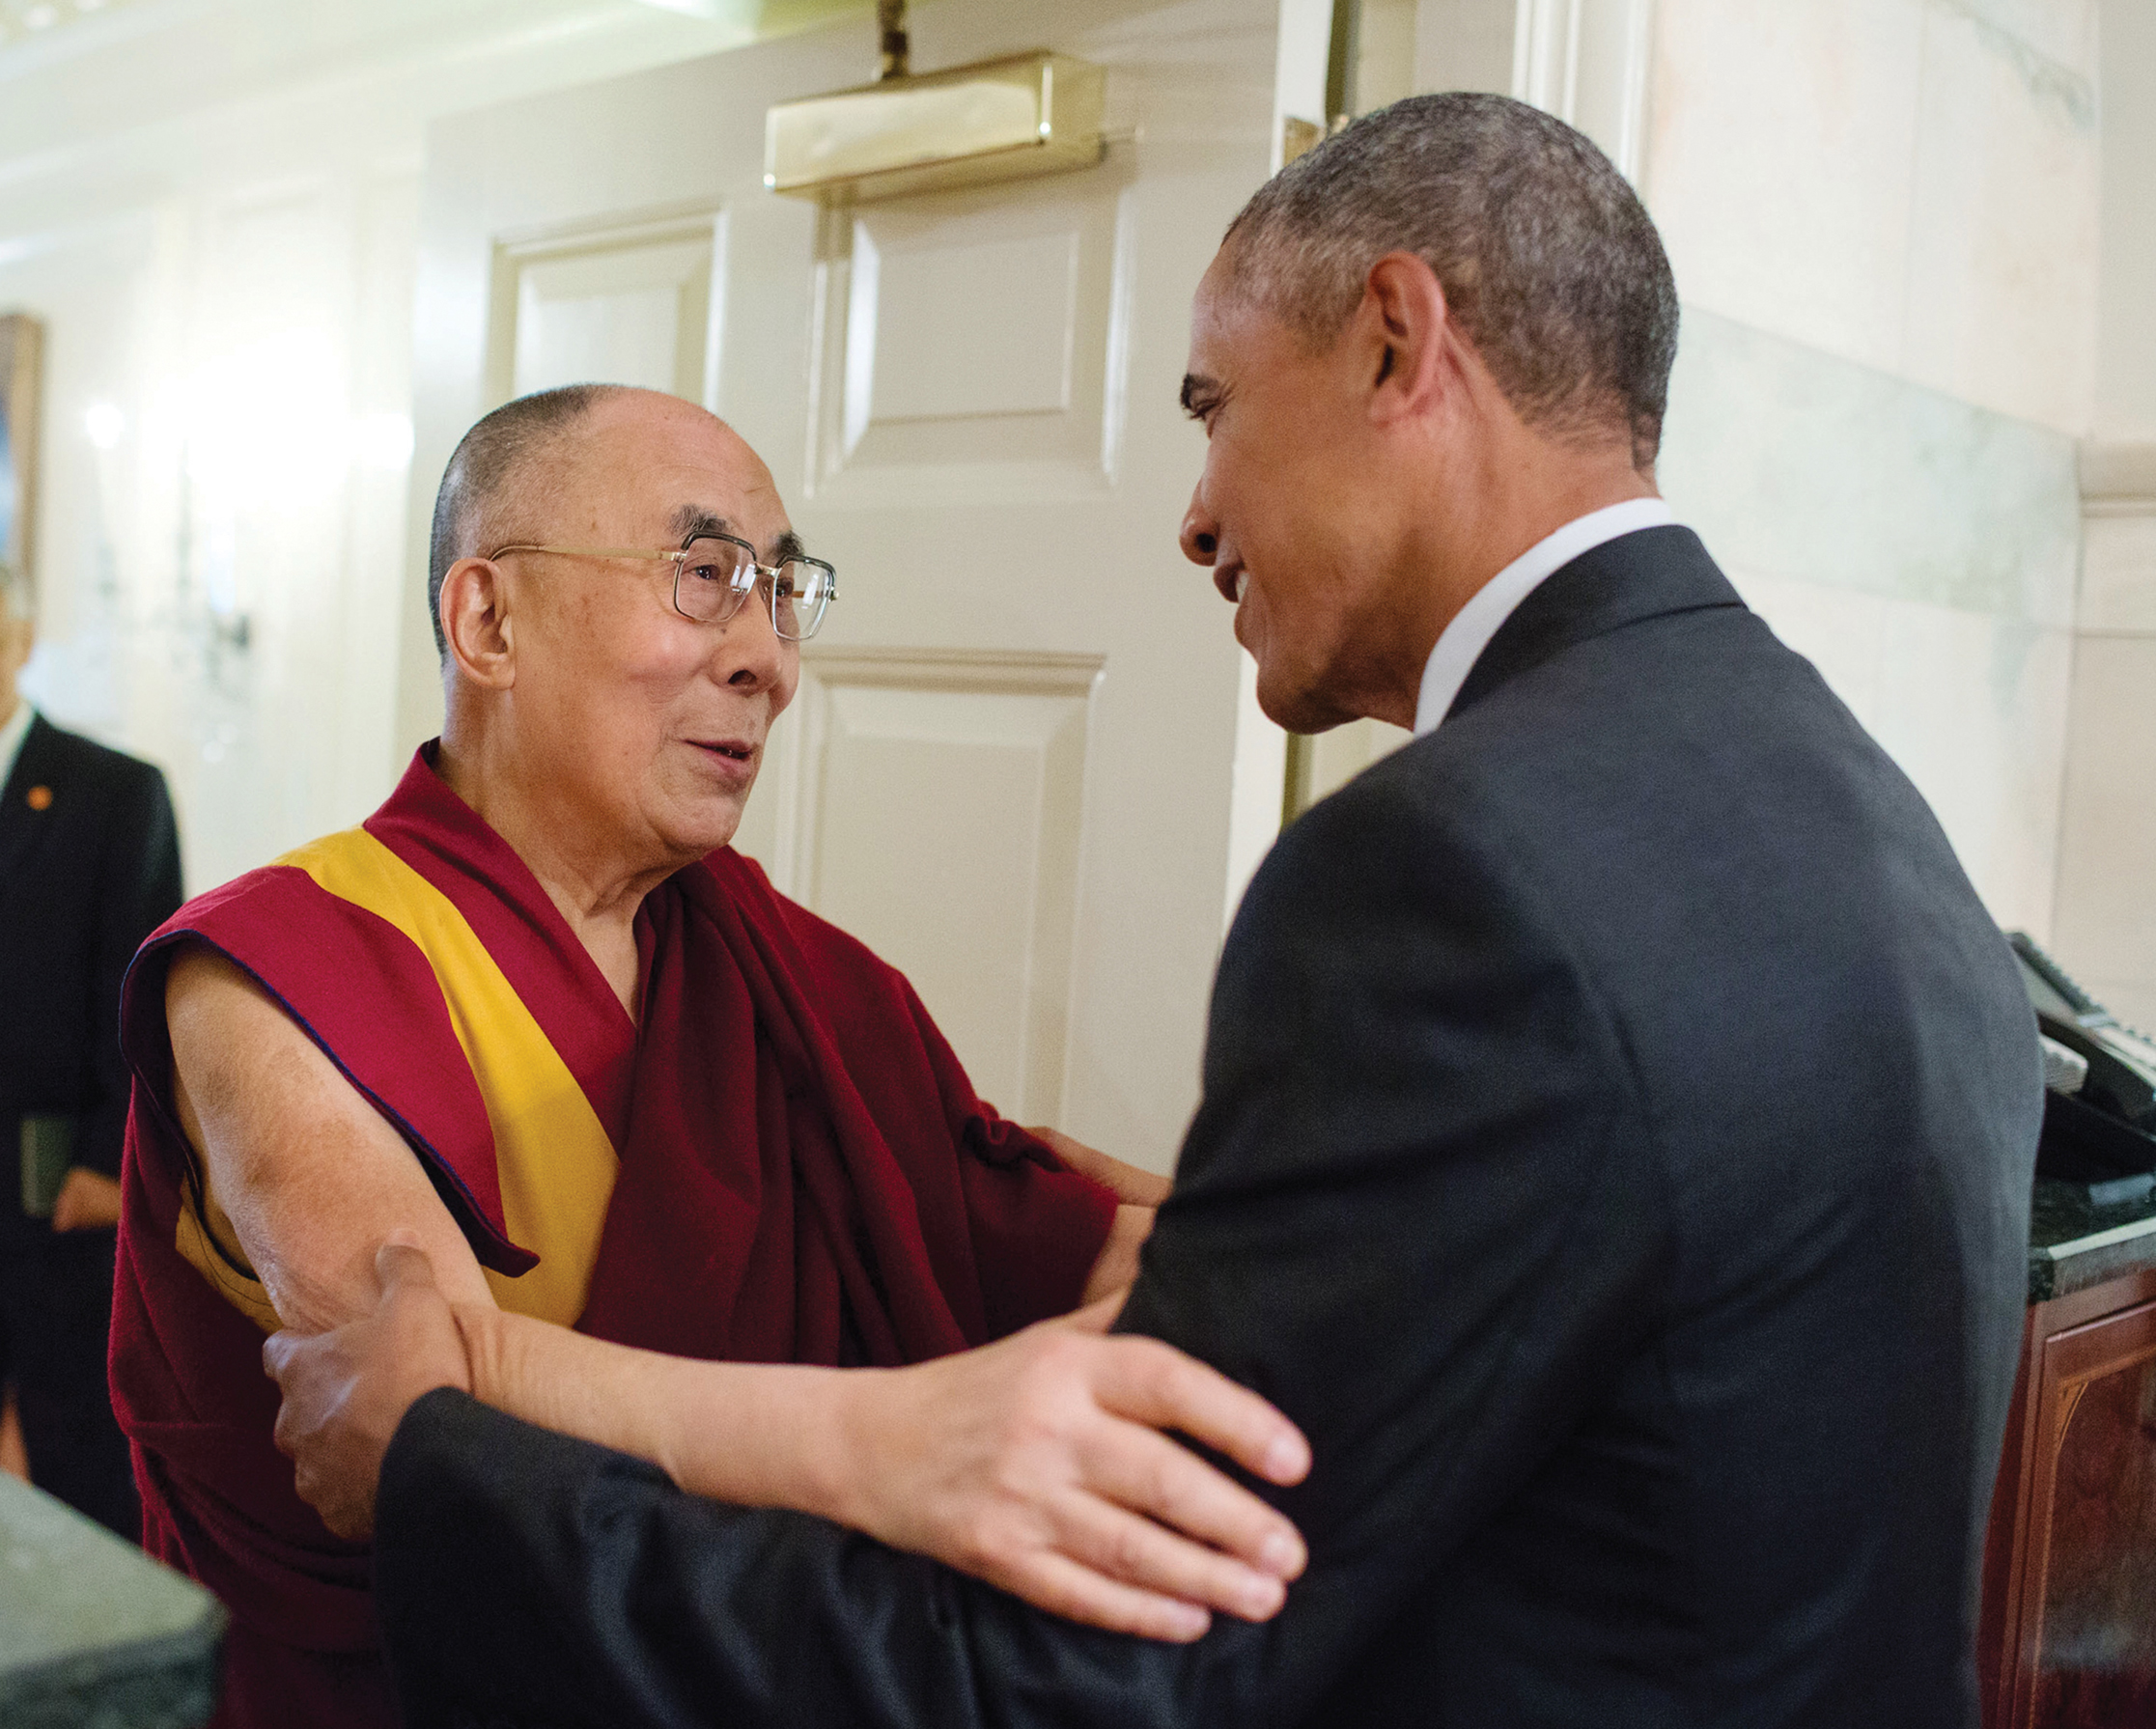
[1012, 765]
[628, 304]
[974, 344]
[939, 801]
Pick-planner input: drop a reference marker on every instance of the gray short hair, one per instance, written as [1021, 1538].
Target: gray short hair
[1551, 266]
[485, 470]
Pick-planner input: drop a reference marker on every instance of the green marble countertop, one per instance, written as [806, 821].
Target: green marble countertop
[2074, 1242]
[94, 1634]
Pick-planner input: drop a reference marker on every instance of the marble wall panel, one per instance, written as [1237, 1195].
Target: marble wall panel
[2125, 407]
[2063, 32]
[2003, 238]
[2118, 573]
[1974, 709]
[2106, 923]
[1908, 183]
[1798, 465]
[1779, 154]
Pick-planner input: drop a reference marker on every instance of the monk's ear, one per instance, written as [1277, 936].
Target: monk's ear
[475, 622]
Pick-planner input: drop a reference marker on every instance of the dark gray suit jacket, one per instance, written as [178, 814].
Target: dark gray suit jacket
[89, 866]
[1618, 1122]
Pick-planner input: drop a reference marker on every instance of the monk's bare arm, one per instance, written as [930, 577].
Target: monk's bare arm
[311, 1176]
[314, 1180]
[1035, 1463]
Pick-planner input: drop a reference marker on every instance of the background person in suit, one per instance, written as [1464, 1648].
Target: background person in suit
[89, 866]
[1618, 1115]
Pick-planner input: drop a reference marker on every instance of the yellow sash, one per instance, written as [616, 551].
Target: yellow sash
[554, 1162]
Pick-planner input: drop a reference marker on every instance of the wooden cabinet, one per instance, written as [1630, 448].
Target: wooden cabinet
[2068, 1637]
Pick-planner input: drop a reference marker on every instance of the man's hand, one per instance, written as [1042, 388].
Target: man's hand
[1036, 1463]
[346, 1390]
[88, 1201]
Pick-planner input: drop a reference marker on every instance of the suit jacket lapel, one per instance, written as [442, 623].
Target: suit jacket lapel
[20, 824]
[1639, 576]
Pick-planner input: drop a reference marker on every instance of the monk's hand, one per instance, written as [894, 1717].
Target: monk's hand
[346, 1390]
[1133, 1186]
[1037, 1464]
[1115, 1269]
[88, 1201]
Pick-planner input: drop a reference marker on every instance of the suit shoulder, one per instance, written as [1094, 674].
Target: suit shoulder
[1423, 838]
[85, 755]
[1430, 796]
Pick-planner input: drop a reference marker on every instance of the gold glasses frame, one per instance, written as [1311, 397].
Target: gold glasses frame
[744, 582]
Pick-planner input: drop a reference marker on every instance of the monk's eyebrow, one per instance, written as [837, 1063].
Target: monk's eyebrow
[695, 519]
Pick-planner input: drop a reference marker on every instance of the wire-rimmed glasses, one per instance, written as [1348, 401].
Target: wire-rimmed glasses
[715, 574]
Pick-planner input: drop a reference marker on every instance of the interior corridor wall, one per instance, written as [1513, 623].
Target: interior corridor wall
[1883, 217]
[225, 271]
[2106, 923]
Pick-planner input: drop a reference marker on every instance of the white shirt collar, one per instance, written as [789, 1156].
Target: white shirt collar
[12, 733]
[1461, 643]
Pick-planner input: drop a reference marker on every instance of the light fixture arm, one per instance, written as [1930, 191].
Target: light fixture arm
[891, 23]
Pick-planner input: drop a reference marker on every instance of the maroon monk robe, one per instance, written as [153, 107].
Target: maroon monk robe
[804, 1174]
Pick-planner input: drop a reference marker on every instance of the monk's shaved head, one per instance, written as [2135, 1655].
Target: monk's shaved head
[488, 486]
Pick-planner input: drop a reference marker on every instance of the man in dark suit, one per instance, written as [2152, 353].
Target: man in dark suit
[89, 866]
[1618, 1110]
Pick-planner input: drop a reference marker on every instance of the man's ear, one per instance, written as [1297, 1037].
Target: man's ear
[475, 622]
[1404, 336]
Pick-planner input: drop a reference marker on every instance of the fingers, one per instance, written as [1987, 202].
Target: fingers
[1155, 1384]
[1255, 1546]
[1065, 1587]
[1156, 1561]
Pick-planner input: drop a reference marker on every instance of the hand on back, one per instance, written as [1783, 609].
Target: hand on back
[1035, 1463]
[1038, 1464]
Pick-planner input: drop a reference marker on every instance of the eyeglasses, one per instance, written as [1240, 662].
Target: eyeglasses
[714, 573]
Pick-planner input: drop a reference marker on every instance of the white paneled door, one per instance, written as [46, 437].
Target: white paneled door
[1011, 768]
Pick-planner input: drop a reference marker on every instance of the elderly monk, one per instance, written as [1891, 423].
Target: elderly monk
[535, 1018]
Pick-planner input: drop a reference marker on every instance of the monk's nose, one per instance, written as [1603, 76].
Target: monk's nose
[1201, 534]
[750, 649]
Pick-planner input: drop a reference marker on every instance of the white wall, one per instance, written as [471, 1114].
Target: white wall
[1883, 215]
[2106, 926]
[211, 205]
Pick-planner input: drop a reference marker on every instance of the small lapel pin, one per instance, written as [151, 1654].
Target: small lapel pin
[41, 798]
